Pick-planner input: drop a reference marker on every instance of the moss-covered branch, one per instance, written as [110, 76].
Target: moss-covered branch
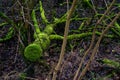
[77, 36]
[34, 51]
[37, 29]
[42, 38]
[43, 13]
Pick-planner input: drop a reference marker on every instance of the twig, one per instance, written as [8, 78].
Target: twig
[10, 74]
[64, 40]
[92, 41]
[67, 5]
[106, 3]
[94, 7]
[108, 9]
[97, 46]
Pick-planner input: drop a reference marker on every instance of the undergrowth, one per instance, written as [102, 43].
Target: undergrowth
[35, 39]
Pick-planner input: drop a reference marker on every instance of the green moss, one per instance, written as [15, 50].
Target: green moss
[87, 3]
[43, 13]
[23, 76]
[111, 63]
[33, 52]
[37, 29]
[43, 40]
[49, 29]
[8, 36]
[77, 36]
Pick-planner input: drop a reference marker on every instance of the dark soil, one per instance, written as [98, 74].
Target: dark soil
[13, 64]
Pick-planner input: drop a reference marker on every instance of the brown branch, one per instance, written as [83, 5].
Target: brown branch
[92, 41]
[97, 46]
[107, 11]
[64, 40]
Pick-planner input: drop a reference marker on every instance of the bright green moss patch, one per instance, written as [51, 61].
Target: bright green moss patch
[33, 52]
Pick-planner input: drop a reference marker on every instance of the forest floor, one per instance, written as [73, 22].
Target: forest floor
[12, 63]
